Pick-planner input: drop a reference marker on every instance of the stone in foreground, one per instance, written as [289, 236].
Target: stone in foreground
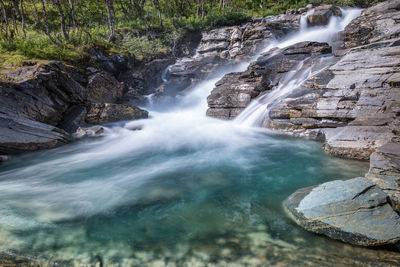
[355, 211]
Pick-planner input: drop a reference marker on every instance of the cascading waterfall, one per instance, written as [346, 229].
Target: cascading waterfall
[185, 189]
[257, 111]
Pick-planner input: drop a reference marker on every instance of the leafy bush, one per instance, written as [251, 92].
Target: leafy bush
[142, 46]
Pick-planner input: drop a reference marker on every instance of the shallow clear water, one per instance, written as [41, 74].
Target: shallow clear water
[185, 190]
[196, 201]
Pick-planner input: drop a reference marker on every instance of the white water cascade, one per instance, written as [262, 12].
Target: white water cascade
[257, 111]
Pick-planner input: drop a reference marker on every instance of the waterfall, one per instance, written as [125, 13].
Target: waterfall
[257, 111]
[178, 181]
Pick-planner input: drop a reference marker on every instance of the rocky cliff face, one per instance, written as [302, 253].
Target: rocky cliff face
[353, 105]
[226, 46]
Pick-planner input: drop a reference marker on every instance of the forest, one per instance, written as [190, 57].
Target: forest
[64, 29]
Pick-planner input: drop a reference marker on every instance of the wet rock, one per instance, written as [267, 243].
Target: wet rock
[18, 135]
[357, 95]
[355, 211]
[142, 79]
[355, 141]
[32, 105]
[226, 46]
[103, 88]
[235, 90]
[377, 23]
[94, 131]
[73, 118]
[104, 113]
[43, 92]
[322, 14]
[385, 171]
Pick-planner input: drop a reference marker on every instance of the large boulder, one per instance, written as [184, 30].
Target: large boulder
[19, 135]
[322, 14]
[235, 90]
[355, 211]
[104, 113]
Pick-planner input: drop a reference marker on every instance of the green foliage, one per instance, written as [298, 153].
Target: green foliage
[142, 46]
[226, 19]
[142, 27]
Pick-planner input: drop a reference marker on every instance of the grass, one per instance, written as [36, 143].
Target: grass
[142, 39]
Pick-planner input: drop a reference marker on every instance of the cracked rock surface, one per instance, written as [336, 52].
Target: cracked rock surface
[355, 211]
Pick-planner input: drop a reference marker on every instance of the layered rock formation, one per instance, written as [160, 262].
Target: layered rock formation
[353, 105]
[41, 105]
[226, 46]
[235, 90]
[355, 211]
[361, 92]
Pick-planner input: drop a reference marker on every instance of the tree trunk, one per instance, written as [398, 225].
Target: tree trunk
[22, 17]
[171, 3]
[202, 8]
[110, 12]
[157, 5]
[61, 11]
[46, 23]
[182, 8]
[72, 7]
[3, 7]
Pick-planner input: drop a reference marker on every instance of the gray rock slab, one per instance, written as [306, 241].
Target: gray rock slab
[355, 211]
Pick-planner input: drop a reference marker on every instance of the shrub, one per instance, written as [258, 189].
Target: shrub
[142, 46]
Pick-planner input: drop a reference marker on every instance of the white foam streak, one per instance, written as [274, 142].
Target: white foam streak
[257, 112]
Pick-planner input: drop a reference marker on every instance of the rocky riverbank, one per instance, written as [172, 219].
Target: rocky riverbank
[48, 105]
[353, 105]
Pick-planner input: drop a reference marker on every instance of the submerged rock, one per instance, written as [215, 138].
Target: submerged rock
[104, 113]
[355, 211]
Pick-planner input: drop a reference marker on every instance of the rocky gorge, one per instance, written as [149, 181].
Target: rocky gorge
[343, 91]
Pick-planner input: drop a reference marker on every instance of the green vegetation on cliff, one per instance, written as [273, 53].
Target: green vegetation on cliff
[64, 29]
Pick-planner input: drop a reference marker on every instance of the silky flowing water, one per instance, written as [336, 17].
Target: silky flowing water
[183, 190]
